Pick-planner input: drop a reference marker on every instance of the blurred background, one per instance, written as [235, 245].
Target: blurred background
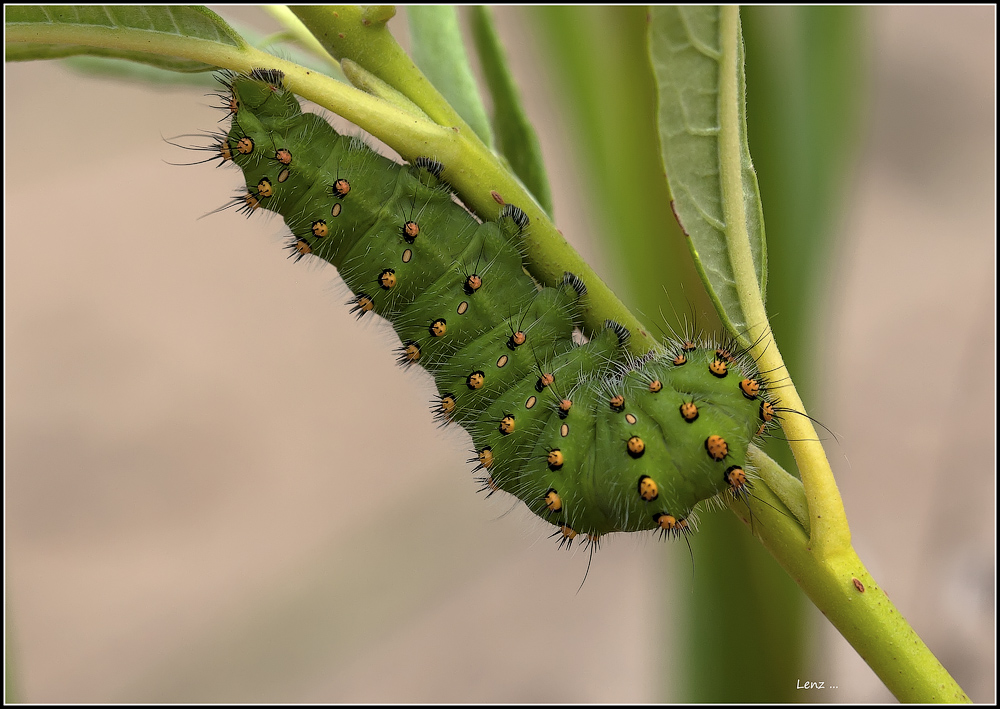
[220, 487]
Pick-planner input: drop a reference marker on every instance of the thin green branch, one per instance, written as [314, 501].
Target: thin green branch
[406, 133]
[849, 597]
[360, 34]
[299, 33]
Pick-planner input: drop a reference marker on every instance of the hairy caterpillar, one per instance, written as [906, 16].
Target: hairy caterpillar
[591, 440]
[854, 357]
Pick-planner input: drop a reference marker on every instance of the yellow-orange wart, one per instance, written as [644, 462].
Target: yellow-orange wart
[264, 188]
[666, 522]
[552, 500]
[635, 447]
[724, 354]
[506, 426]
[655, 386]
[648, 489]
[475, 380]
[438, 328]
[617, 403]
[555, 459]
[320, 229]
[252, 201]
[564, 406]
[486, 457]
[568, 532]
[302, 247]
[517, 339]
[341, 187]
[363, 303]
[766, 415]
[736, 478]
[545, 380]
[448, 404]
[689, 412]
[472, 284]
[410, 232]
[719, 368]
[411, 353]
[680, 359]
[717, 447]
[244, 145]
[387, 279]
[284, 156]
[750, 388]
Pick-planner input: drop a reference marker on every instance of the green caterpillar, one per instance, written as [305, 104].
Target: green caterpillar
[590, 439]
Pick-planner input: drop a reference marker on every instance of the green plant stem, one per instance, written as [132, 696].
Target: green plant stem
[299, 32]
[843, 590]
[360, 34]
[822, 562]
[830, 533]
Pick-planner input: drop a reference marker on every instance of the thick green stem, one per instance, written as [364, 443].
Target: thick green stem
[841, 587]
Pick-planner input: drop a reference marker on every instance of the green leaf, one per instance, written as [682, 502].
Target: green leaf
[160, 69]
[516, 137]
[163, 37]
[52, 22]
[698, 64]
[439, 52]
